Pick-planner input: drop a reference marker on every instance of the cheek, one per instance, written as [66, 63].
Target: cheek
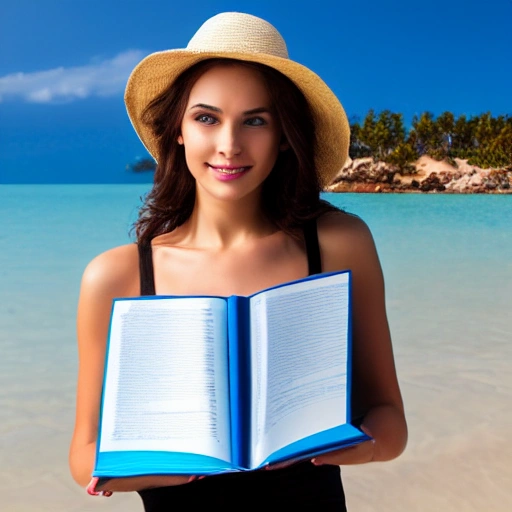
[270, 147]
[192, 131]
[195, 142]
[267, 143]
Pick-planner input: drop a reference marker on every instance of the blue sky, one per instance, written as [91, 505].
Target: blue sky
[64, 64]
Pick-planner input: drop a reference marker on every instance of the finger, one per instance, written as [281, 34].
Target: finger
[358, 454]
[334, 458]
[279, 465]
[282, 465]
[91, 487]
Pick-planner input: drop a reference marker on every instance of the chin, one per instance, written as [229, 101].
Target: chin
[231, 196]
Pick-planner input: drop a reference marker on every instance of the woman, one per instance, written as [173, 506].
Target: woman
[244, 139]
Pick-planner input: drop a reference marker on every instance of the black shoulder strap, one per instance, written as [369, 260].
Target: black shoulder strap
[312, 247]
[147, 278]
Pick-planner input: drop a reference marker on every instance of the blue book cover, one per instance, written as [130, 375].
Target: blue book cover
[205, 385]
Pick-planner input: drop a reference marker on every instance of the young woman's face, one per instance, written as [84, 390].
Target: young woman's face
[230, 133]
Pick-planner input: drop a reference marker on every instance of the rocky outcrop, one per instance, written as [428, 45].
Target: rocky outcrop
[427, 175]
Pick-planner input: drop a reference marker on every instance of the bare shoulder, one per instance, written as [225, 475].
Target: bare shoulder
[110, 275]
[113, 273]
[345, 241]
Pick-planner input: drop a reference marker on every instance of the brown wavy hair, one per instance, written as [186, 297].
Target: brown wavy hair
[291, 192]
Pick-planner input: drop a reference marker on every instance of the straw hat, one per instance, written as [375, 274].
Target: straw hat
[244, 37]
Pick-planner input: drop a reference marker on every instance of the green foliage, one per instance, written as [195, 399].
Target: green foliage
[402, 156]
[425, 133]
[484, 140]
[491, 159]
[357, 148]
[378, 136]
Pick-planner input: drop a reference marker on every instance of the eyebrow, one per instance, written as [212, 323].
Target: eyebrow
[258, 110]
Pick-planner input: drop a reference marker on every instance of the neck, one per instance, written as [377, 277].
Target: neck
[220, 224]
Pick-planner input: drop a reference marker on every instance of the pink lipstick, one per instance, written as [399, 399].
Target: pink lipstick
[228, 172]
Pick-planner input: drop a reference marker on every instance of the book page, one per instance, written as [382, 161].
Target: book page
[299, 337]
[166, 385]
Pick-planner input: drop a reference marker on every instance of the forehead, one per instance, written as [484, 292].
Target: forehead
[230, 84]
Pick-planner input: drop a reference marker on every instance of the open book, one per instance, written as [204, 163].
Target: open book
[202, 385]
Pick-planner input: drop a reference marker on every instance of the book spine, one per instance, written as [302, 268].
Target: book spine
[239, 378]
[349, 350]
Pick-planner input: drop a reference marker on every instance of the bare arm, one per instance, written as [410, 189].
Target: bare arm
[346, 242]
[112, 274]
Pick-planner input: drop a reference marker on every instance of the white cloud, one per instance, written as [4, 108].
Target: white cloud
[103, 78]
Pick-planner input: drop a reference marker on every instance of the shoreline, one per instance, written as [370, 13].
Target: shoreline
[364, 175]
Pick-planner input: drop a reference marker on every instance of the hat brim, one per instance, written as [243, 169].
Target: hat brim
[158, 70]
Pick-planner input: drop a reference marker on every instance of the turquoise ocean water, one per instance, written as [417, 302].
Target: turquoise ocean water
[447, 261]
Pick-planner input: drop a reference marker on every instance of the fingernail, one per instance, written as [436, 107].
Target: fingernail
[201, 477]
[316, 462]
[191, 479]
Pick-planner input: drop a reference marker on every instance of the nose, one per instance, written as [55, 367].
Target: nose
[229, 142]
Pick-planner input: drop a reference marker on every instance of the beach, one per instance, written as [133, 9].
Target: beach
[426, 175]
[447, 262]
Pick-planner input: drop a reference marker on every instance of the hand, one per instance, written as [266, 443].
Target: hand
[138, 483]
[281, 465]
[358, 454]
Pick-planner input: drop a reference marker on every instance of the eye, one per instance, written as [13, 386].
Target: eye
[255, 121]
[205, 119]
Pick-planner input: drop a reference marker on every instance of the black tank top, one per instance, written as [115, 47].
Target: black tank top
[300, 485]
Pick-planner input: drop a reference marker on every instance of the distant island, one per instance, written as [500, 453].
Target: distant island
[142, 165]
[443, 154]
